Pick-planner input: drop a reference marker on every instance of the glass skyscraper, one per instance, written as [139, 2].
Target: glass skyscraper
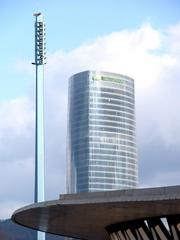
[101, 144]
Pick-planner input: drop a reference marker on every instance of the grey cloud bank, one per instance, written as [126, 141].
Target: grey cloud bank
[151, 57]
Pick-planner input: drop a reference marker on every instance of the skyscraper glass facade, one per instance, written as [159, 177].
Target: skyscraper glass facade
[101, 149]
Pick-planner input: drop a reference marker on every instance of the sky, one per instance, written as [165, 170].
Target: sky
[137, 38]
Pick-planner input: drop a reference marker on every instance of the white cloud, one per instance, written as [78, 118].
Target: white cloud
[141, 54]
[173, 39]
[8, 207]
[160, 179]
[16, 116]
[148, 55]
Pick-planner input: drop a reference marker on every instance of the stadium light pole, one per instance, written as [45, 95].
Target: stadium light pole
[40, 56]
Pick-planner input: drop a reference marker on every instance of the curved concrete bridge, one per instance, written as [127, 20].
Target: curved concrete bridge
[145, 214]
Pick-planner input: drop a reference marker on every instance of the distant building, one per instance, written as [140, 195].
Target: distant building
[101, 133]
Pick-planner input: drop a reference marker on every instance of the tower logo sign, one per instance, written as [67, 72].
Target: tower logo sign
[99, 77]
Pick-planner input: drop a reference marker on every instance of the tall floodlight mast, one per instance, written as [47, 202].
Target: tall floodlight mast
[39, 128]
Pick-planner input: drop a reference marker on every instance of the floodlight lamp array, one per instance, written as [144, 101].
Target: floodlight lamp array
[40, 53]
